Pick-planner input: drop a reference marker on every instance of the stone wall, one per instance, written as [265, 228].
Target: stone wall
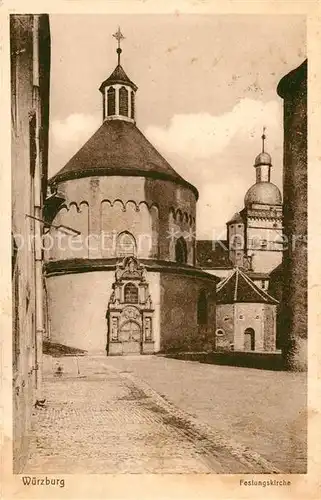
[224, 326]
[28, 120]
[156, 212]
[178, 321]
[248, 316]
[270, 313]
[78, 305]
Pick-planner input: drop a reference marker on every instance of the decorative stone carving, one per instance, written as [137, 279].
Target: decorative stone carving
[149, 303]
[131, 312]
[148, 328]
[114, 328]
[130, 268]
[130, 309]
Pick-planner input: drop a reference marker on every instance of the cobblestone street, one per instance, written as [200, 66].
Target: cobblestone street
[102, 419]
[103, 415]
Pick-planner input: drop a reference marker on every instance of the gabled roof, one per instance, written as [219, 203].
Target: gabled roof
[238, 287]
[213, 254]
[118, 76]
[119, 148]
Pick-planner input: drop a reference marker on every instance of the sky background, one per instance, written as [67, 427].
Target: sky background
[206, 87]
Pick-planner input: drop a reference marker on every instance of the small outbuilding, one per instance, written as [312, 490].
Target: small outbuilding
[245, 315]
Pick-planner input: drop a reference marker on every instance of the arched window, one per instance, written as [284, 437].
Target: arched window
[111, 101]
[181, 251]
[130, 293]
[123, 101]
[125, 245]
[202, 316]
[132, 102]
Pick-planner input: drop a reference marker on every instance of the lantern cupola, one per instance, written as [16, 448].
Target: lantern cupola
[118, 91]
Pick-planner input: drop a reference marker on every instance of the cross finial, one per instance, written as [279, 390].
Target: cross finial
[119, 36]
[263, 138]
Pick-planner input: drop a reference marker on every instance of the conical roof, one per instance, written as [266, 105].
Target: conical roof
[118, 76]
[238, 287]
[118, 148]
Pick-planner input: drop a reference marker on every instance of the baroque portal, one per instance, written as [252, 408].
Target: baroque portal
[130, 311]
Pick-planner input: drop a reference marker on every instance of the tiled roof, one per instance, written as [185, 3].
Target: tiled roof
[213, 254]
[238, 287]
[119, 148]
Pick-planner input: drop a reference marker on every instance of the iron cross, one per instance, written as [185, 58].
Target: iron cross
[119, 36]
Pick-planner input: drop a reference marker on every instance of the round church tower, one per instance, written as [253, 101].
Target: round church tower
[121, 248]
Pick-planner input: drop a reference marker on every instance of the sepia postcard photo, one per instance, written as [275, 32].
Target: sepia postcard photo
[159, 249]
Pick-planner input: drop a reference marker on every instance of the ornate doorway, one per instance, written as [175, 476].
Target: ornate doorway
[130, 311]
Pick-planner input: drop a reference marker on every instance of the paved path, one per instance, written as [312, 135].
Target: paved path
[263, 410]
[101, 419]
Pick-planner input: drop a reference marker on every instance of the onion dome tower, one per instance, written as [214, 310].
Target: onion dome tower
[136, 221]
[263, 192]
[255, 233]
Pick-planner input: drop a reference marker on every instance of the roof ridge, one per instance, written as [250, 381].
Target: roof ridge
[259, 291]
[224, 281]
[237, 271]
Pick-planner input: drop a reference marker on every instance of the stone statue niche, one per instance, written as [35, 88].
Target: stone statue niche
[130, 311]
